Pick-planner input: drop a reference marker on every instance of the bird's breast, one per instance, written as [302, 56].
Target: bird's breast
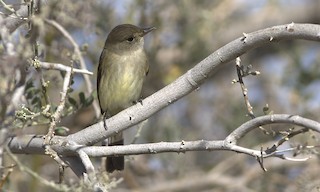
[123, 81]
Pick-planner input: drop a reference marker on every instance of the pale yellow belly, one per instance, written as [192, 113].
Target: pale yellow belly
[121, 89]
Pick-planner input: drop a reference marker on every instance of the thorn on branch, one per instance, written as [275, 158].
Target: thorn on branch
[244, 37]
[182, 144]
[220, 57]
[152, 150]
[190, 79]
[289, 27]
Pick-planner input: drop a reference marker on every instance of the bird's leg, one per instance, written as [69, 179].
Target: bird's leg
[104, 121]
[139, 101]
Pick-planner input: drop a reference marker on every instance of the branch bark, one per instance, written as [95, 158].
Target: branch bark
[68, 146]
[32, 144]
[193, 79]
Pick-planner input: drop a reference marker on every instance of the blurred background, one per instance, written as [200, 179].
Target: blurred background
[187, 32]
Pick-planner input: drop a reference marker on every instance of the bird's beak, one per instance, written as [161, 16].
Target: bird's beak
[147, 30]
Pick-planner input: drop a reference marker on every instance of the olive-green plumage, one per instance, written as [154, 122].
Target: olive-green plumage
[122, 69]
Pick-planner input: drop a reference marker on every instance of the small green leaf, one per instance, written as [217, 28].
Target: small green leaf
[35, 100]
[266, 110]
[71, 81]
[29, 84]
[63, 131]
[88, 101]
[82, 98]
[73, 102]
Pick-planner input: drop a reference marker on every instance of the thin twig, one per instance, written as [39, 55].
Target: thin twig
[44, 84]
[60, 187]
[61, 67]
[286, 138]
[260, 160]
[7, 7]
[140, 127]
[79, 56]
[61, 174]
[56, 118]
[279, 153]
[57, 114]
[5, 176]
[241, 73]
[86, 162]
[244, 89]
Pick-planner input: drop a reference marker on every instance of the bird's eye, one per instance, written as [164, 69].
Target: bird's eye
[130, 39]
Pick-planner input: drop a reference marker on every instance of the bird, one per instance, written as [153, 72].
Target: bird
[123, 66]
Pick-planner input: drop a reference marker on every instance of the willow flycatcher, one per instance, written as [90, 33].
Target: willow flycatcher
[122, 69]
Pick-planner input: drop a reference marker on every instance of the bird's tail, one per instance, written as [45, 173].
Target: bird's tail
[115, 162]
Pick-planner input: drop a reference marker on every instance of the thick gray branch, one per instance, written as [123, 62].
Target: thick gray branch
[15, 20]
[67, 146]
[33, 144]
[193, 79]
[271, 119]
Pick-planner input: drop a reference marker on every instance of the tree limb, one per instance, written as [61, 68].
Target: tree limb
[31, 144]
[193, 79]
[68, 146]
